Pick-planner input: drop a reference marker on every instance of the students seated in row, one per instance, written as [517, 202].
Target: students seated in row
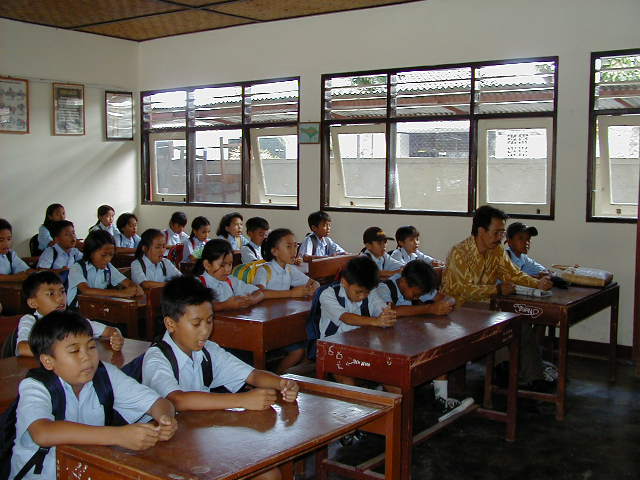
[230, 229]
[94, 274]
[175, 234]
[126, 237]
[45, 293]
[375, 247]
[188, 317]
[54, 213]
[12, 267]
[63, 343]
[200, 230]
[150, 268]
[106, 214]
[408, 240]
[318, 243]
[63, 253]
[257, 230]
[519, 242]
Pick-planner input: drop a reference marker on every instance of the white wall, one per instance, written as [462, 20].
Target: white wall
[80, 172]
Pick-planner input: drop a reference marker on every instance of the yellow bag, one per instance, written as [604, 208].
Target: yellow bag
[585, 276]
[247, 271]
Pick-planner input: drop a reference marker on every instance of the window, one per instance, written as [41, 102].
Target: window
[614, 136]
[223, 144]
[412, 139]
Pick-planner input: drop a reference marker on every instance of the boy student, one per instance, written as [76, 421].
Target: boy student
[63, 253]
[318, 243]
[71, 372]
[408, 239]
[257, 230]
[185, 366]
[375, 244]
[45, 293]
[12, 267]
[175, 234]
[519, 241]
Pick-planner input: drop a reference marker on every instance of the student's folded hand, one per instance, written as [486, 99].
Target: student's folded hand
[167, 426]
[441, 307]
[130, 292]
[387, 318]
[256, 297]
[299, 291]
[545, 283]
[240, 301]
[259, 399]
[289, 390]
[312, 286]
[297, 261]
[138, 436]
[116, 340]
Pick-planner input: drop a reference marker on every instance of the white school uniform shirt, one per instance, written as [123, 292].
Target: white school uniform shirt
[251, 252]
[236, 242]
[154, 272]
[95, 278]
[190, 246]
[172, 238]
[326, 246]
[63, 258]
[401, 255]
[112, 229]
[331, 310]
[224, 291]
[130, 399]
[385, 262]
[227, 369]
[123, 241]
[525, 263]
[16, 265]
[28, 321]
[281, 278]
[44, 237]
[384, 293]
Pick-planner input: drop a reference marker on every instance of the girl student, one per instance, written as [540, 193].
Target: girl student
[230, 229]
[54, 213]
[175, 234]
[106, 213]
[150, 269]
[200, 230]
[94, 274]
[126, 236]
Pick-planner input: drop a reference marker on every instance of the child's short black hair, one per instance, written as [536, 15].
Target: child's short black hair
[362, 271]
[55, 327]
[123, 220]
[272, 241]
[483, 216]
[57, 227]
[197, 224]
[408, 231]
[212, 251]
[180, 292]
[32, 282]
[419, 273]
[225, 221]
[95, 241]
[316, 218]
[179, 218]
[256, 223]
[4, 225]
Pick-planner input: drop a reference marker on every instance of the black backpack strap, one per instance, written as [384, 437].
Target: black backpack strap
[364, 308]
[142, 266]
[10, 258]
[164, 268]
[314, 242]
[55, 256]
[252, 249]
[333, 327]
[207, 368]
[393, 289]
[104, 391]
[73, 304]
[167, 351]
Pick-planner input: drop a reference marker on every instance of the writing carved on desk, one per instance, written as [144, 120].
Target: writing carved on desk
[529, 310]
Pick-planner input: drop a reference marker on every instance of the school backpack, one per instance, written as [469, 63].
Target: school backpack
[144, 267]
[247, 271]
[104, 391]
[34, 249]
[313, 321]
[174, 255]
[314, 243]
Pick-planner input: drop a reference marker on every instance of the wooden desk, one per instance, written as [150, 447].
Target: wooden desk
[419, 349]
[13, 369]
[126, 311]
[154, 313]
[12, 299]
[218, 445]
[271, 324]
[324, 270]
[122, 260]
[7, 325]
[564, 309]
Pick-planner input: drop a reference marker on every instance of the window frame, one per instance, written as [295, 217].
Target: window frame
[472, 117]
[189, 131]
[593, 137]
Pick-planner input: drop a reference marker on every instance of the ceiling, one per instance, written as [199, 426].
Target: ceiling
[141, 20]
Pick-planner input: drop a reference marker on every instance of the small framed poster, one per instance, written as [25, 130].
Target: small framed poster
[309, 132]
[14, 105]
[118, 111]
[68, 109]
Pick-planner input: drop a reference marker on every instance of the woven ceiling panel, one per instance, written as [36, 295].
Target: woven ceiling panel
[165, 25]
[72, 13]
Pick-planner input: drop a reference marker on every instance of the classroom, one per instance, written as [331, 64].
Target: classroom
[308, 48]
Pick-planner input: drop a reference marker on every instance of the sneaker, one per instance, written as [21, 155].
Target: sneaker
[549, 372]
[451, 406]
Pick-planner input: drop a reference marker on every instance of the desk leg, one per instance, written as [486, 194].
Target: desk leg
[133, 325]
[561, 394]
[487, 402]
[406, 432]
[259, 359]
[512, 392]
[393, 450]
[613, 335]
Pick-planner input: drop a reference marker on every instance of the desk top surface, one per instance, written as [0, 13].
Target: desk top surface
[140, 300]
[271, 309]
[561, 296]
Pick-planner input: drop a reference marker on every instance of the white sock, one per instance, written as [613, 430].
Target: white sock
[440, 388]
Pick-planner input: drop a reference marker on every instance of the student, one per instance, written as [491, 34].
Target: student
[63, 343]
[188, 318]
[375, 244]
[105, 220]
[317, 243]
[63, 253]
[175, 234]
[150, 269]
[200, 230]
[257, 230]
[126, 237]
[230, 229]
[94, 274]
[519, 242]
[54, 213]
[12, 267]
[45, 293]
[408, 239]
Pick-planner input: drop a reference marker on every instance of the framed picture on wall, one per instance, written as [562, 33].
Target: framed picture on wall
[68, 109]
[14, 105]
[118, 115]
[309, 132]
